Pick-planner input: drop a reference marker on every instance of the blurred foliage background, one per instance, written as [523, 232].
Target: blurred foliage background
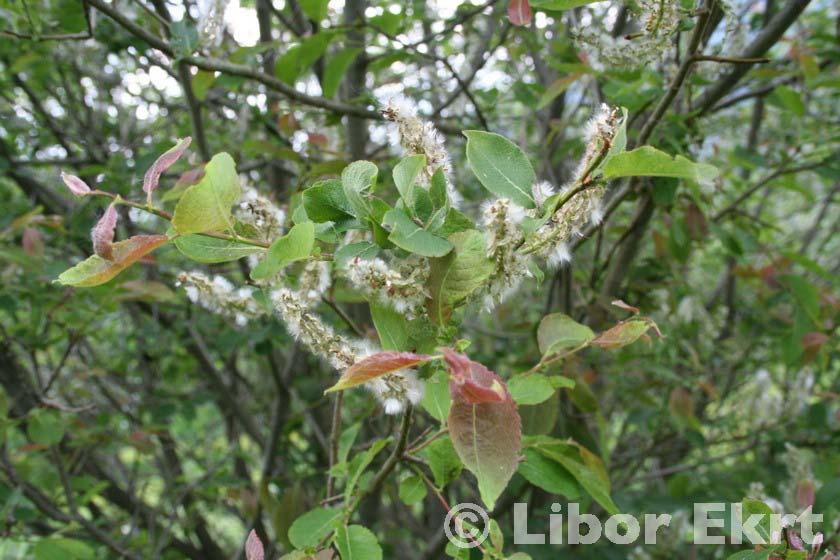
[134, 420]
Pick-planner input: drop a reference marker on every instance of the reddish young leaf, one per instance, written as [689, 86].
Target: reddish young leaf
[484, 424]
[95, 270]
[805, 493]
[76, 185]
[190, 177]
[621, 304]
[375, 366]
[103, 232]
[626, 332]
[164, 162]
[32, 242]
[519, 12]
[254, 547]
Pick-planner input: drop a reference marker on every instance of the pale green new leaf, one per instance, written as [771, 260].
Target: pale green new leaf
[560, 333]
[405, 176]
[356, 179]
[530, 389]
[650, 162]
[294, 246]
[206, 205]
[501, 166]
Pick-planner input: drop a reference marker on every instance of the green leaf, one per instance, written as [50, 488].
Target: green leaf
[458, 275]
[357, 543]
[650, 162]
[556, 88]
[316, 10]
[335, 69]
[437, 190]
[184, 39]
[751, 555]
[202, 82]
[95, 270]
[586, 467]
[436, 398]
[206, 205]
[63, 549]
[363, 250]
[501, 166]
[454, 222]
[548, 475]
[45, 427]
[391, 325]
[559, 4]
[530, 389]
[412, 490]
[310, 528]
[560, 333]
[789, 99]
[204, 249]
[407, 235]
[405, 177]
[443, 461]
[751, 507]
[325, 201]
[294, 246]
[298, 58]
[356, 179]
[362, 462]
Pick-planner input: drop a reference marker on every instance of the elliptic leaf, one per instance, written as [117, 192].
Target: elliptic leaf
[376, 365]
[519, 12]
[254, 549]
[624, 333]
[650, 162]
[95, 270]
[335, 69]
[484, 425]
[357, 543]
[548, 475]
[405, 176]
[412, 490]
[530, 389]
[459, 274]
[560, 333]
[206, 205]
[325, 201]
[356, 179]
[314, 525]
[162, 163]
[204, 249]
[294, 246]
[45, 427]
[501, 166]
[585, 466]
[414, 239]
